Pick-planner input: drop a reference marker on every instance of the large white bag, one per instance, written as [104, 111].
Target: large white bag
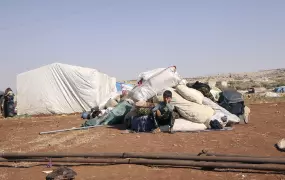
[216, 93]
[190, 94]
[155, 84]
[231, 117]
[146, 75]
[191, 111]
[183, 125]
[217, 116]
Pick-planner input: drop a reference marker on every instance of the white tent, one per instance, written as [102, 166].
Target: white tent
[60, 88]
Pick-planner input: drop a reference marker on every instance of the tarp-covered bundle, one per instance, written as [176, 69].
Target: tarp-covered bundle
[192, 110]
[156, 82]
[60, 88]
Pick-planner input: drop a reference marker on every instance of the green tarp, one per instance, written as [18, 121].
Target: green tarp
[116, 116]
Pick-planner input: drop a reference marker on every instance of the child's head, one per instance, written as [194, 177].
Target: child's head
[167, 96]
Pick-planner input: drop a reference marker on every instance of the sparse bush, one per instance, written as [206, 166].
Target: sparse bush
[241, 85]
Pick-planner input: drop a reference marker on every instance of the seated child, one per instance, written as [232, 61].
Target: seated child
[163, 112]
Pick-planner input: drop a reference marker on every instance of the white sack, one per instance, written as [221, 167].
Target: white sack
[183, 125]
[190, 94]
[111, 95]
[216, 94]
[155, 84]
[60, 89]
[111, 103]
[191, 111]
[217, 116]
[231, 117]
[146, 75]
[183, 82]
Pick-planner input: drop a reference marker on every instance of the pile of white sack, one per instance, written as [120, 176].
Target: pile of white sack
[196, 110]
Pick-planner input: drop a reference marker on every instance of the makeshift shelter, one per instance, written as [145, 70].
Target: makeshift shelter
[60, 88]
[280, 89]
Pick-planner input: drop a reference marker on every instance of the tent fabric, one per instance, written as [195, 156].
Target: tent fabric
[280, 89]
[59, 89]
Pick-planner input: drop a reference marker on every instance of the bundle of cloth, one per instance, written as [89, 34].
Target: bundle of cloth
[111, 113]
[189, 109]
[163, 101]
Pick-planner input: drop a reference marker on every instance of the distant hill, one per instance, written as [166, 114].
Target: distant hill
[263, 78]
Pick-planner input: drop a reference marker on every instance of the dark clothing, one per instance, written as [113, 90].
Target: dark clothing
[206, 93]
[166, 118]
[203, 88]
[9, 105]
[142, 124]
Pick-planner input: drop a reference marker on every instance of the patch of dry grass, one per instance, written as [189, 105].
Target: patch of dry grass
[56, 140]
[256, 98]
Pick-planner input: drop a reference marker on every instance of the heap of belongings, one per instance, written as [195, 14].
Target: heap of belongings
[190, 108]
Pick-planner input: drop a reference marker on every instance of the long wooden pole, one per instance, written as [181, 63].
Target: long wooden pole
[262, 160]
[175, 163]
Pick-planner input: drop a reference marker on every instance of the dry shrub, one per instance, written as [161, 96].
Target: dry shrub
[257, 98]
[243, 85]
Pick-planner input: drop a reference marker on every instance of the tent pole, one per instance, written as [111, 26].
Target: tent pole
[70, 129]
[149, 156]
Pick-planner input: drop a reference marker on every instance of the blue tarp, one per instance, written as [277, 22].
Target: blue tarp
[122, 86]
[119, 86]
[280, 89]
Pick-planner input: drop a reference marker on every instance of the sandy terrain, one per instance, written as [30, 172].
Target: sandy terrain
[267, 126]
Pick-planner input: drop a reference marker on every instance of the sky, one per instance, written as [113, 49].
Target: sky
[123, 38]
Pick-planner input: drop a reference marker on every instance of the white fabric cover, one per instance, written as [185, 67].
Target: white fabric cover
[190, 94]
[231, 117]
[155, 84]
[191, 111]
[60, 88]
[215, 93]
[146, 75]
[111, 103]
[182, 125]
[112, 95]
[217, 116]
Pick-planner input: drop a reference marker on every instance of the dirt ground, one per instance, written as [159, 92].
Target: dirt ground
[267, 126]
